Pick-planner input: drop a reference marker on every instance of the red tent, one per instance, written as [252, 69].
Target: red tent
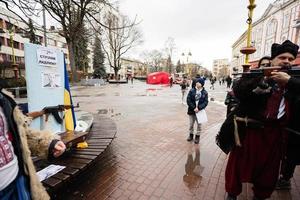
[158, 78]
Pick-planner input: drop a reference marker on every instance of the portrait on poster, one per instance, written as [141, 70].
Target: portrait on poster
[51, 80]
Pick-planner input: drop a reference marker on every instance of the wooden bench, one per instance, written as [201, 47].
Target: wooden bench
[100, 136]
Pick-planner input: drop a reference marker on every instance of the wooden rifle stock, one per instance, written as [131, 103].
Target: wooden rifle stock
[36, 114]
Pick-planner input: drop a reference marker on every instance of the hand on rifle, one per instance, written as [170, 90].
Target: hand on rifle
[59, 149]
[280, 77]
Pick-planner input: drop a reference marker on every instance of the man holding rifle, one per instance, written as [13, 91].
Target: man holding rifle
[265, 104]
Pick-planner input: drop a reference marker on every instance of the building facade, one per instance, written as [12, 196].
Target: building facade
[13, 37]
[134, 68]
[280, 21]
[221, 68]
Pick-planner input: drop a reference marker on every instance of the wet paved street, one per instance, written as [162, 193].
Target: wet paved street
[150, 158]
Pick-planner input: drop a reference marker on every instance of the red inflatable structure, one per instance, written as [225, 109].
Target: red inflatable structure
[158, 78]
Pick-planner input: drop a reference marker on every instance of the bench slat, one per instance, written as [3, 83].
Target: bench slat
[75, 155]
[91, 150]
[88, 153]
[61, 176]
[52, 182]
[70, 171]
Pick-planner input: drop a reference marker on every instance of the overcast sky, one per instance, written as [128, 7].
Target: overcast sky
[206, 28]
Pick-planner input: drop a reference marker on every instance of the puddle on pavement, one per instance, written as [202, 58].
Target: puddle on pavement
[81, 95]
[151, 92]
[140, 95]
[100, 95]
[108, 111]
[150, 89]
[102, 111]
[193, 168]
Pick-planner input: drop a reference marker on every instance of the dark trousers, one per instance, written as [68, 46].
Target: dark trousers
[289, 164]
[16, 190]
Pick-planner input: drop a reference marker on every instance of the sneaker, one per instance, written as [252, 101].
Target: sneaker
[283, 184]
[231, 197]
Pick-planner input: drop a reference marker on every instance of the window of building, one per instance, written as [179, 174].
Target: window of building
[8, 42]
[1, 23]
[272, 27]
[286, 21]
[268, 45]
[2, 40]
[16, 45]
[9, 57]
[8, 25]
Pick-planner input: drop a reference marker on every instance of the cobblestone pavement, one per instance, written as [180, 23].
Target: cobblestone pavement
[150, 158]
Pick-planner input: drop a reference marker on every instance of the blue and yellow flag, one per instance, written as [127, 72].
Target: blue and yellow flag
[70, 120]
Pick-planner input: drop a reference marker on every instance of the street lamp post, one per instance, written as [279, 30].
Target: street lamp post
[14, 64]
[249, 49]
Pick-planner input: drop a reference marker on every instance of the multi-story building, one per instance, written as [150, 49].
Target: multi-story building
[220, 68]
[280, 21]
[13, 37]
[134, 68]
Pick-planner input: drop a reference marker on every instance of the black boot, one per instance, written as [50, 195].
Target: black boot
[190, 138]
[231, 197]
[197, 139]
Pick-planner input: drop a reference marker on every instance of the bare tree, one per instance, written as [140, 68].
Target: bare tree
[69, 13]
[153, 58]
[170, 46]
[118, 41]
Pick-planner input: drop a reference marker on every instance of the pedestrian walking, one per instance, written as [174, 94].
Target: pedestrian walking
[212, 82]
[17, 143]
[171, 81]
[197, 100]
[263, 118]
[228, 81]
[184, 87]
[131, 78]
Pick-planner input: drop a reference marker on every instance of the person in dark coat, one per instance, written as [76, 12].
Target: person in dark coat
[197, 100]
[228, 81]
[292, 157]
[256, 159]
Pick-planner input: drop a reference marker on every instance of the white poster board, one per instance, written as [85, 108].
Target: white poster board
[45, 83]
